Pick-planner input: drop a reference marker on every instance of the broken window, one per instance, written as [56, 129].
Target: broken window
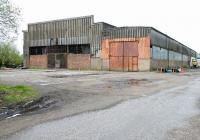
[80, 49]
[76, 49]
[57, 49]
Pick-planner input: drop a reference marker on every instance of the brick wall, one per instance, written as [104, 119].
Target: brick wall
[38, 61]
[78, 61]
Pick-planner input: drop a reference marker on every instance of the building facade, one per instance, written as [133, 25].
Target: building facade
[80, 43]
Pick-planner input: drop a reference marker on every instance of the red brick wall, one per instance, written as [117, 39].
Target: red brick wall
[78, 61]
[38, 61]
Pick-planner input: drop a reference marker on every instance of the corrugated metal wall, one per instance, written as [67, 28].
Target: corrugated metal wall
[26, 44]
[161, 40]
[61, 32]
[126, 32]
[96, 36]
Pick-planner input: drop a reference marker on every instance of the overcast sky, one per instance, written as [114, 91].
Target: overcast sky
[180, 19]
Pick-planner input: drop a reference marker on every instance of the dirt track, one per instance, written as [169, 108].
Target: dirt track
[85, 91]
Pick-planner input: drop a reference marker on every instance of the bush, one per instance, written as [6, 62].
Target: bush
[9, 56]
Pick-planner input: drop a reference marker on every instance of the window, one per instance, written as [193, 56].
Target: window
[79, 49]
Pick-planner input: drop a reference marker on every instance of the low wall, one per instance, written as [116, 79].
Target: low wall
[38, 61]
[78, 61]
[144, 64]
[105, 64]
[96, 63]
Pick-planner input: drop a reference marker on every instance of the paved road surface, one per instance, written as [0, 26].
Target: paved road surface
[146, 118]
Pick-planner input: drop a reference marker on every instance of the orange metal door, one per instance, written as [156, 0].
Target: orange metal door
[135, 63]
[123, 56]
[116, 56]
[130, 56]
[130, 63]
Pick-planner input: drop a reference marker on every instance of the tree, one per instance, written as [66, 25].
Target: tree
[9, 21]
[9, 56]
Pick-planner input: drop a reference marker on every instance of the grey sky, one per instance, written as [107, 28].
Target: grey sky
[177, 18]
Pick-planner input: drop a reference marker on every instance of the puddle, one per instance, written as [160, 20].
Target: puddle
[49, 71]
[127, 83]
[41, 104]
[137, 81]
[124, 83]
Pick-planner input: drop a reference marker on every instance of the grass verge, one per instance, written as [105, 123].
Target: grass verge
[16, 94]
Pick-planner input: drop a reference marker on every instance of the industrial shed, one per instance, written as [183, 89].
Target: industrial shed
[80, 43]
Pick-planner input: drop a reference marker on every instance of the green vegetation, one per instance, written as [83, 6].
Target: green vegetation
[9, 56]
[10, 19]
[16, 94]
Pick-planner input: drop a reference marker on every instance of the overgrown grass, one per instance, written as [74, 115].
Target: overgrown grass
[17, 94]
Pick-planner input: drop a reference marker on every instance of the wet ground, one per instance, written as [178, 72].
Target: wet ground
[108, 105]
[145, 118]
[34, 106]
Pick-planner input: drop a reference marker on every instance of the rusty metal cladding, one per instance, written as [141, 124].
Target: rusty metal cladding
[116, 49]
[131, 48]
[123, 56]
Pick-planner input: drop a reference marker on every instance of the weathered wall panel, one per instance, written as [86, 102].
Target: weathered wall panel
[96, 63]
[26, 50]
[126, 32]
[143, 64]
[105, 64]
[61, 32]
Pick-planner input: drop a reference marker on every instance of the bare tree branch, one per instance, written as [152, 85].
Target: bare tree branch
[9, 20]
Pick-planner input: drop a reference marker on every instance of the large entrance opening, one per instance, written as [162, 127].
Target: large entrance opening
[123, 56]
[58, 55]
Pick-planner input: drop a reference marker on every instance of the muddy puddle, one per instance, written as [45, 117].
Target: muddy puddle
[34, 106]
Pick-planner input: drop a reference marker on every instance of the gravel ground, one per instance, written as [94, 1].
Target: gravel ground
[88, 91]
